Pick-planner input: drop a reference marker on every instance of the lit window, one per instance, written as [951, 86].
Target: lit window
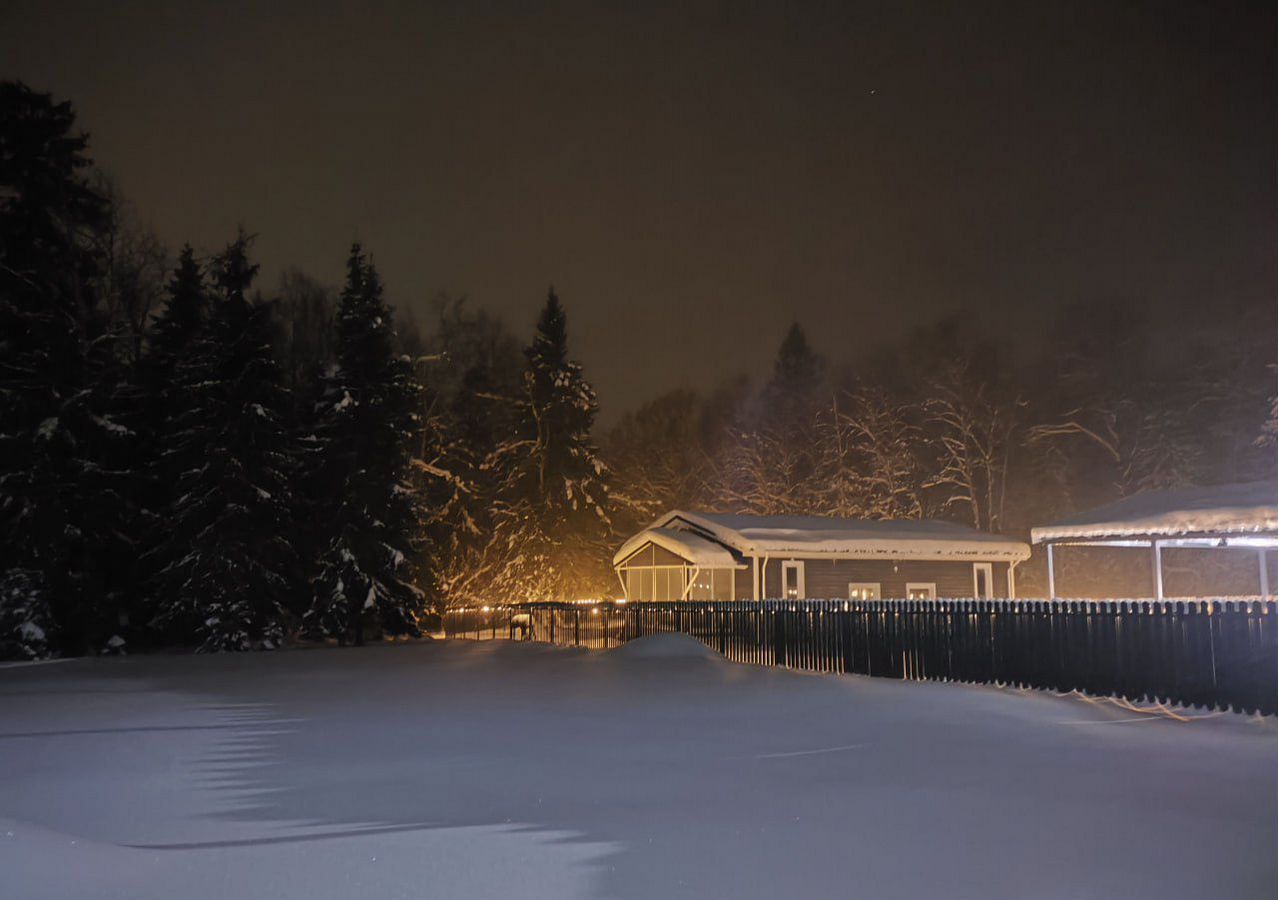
[863, 590]
[919, 590]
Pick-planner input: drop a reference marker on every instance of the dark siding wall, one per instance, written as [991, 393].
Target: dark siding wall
[827, 579]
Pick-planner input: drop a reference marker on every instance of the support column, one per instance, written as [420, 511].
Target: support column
[1158, 568]
[754, 562]
[1264, 575]
[1051, 574]
[690, 578]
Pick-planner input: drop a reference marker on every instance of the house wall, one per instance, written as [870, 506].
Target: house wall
[827, 579]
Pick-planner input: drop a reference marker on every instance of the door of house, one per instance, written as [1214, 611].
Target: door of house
[983, 581]
[792, 579]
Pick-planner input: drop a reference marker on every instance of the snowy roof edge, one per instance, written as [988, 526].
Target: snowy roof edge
[917, 539]
[690, 546]
[1245, 508]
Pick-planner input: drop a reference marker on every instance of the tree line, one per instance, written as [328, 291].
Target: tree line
[952, 424]
[189, 459]
[186, 460]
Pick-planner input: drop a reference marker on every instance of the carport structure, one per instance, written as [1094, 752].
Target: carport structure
[1221, 516]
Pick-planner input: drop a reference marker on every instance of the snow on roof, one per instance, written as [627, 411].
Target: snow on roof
[1222, 509]
[696, 549]
[816, 536]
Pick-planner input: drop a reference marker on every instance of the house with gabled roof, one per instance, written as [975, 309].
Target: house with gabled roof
[687, 555]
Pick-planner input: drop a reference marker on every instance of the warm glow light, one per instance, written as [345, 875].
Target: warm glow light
[485, 609]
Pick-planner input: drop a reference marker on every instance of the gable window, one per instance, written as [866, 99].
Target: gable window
[863, 590]
[983, 581]
[655, 574]
[792, 580]
[920, 590]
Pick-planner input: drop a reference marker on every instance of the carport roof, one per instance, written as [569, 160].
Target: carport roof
[1249, 508]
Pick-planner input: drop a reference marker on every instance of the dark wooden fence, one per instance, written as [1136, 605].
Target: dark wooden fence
[1211, 654]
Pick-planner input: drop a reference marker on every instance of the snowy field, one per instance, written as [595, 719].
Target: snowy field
[462, 770]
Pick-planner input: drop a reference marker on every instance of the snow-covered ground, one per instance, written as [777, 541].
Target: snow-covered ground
[460, 770]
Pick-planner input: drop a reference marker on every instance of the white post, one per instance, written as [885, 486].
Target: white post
[1011, 580]
[1158, 569]
[1264, 575]
[687, 588]
[754, 561]
[1051, 575]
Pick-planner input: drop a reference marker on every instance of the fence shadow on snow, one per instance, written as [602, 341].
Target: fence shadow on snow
[1211, 653]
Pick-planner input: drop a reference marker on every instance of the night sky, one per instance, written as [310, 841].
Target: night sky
[693, 178]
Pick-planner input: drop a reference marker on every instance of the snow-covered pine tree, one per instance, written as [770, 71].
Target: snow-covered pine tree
[179, 323]
[60, 490]
[173, 335]
[797, 370]
[228, 562]
[769, 466]
[473, 374]
[367, 428]
[161, 405]
[553, 502]
[25, 623]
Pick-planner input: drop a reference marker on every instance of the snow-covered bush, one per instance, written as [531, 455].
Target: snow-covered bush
[25, 621]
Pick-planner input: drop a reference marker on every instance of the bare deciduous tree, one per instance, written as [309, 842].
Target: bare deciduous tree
[973, 434]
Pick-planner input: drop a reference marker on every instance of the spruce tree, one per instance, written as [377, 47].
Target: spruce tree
[61, 493]
[173, 336]
[797, 368]
[228, 563]
[562, 406]
[769, 467]
[554, 499]
[179, 323]
[369, 420]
